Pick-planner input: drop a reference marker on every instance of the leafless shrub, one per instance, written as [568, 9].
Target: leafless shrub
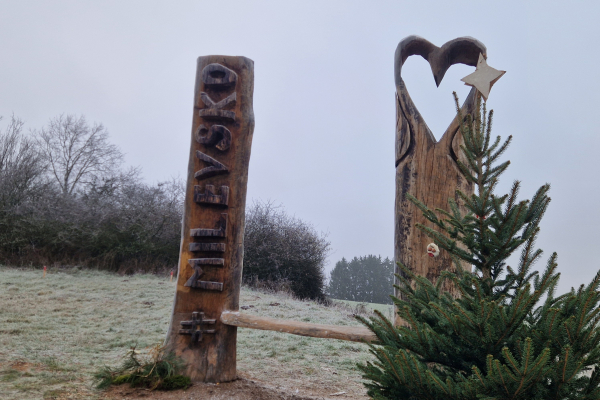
[86, 210]
[20, 165]
[281, 248]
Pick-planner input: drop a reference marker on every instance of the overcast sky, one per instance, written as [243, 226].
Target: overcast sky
[324, 97]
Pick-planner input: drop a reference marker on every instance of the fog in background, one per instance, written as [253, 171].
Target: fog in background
[324, 97]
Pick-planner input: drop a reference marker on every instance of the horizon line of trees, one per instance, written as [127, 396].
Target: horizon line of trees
[367, 279]
[66, 198]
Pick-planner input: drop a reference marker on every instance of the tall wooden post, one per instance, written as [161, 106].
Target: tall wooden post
[212, 244]
[427, 168]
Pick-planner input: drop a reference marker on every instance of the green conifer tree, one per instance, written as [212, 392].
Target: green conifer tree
[507, 336]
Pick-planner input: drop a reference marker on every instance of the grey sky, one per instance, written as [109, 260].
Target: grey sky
[324, 97]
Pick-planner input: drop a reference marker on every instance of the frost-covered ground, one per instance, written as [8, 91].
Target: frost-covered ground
[56, 331]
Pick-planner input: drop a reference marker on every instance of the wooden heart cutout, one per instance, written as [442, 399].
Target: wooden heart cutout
[464, 50]
[426, 168]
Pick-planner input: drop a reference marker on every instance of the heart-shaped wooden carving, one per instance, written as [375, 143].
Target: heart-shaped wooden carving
[426, 168]
[464, 50]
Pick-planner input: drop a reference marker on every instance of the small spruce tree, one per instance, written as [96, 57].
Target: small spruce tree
[507, 336]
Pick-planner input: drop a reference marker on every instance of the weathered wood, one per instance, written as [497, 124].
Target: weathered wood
[195, 327]
[219, 231]
[209, 196]
[351, 333]
[208, 285]
[427, 168]
[213, 113]
[216, 247]
[216, 168]
[198, 272]
[218, 77]
[196, 262]
[210, 103]
[217, 136]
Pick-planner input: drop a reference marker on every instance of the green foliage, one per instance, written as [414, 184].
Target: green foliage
[507, 336]
[368, 279]
[158, 371]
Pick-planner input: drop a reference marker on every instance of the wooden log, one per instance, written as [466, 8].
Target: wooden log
[215, 161]
[427, 168]
[351, 333]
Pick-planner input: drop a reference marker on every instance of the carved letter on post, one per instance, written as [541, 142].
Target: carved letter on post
[217, 247]
[214, 219]
[214, 109]
[427, 168]
[216, 133]
[209, 196]
[220, 229]
[216, 167]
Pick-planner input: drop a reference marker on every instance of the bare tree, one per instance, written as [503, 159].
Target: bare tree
[78, 153]
[20, 164]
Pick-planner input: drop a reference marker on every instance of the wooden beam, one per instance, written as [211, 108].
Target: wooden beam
[351, 333]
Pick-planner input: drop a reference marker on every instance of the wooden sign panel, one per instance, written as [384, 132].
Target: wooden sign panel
[427, 168]
[212, 244]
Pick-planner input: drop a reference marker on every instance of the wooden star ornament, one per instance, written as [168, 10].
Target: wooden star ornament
[483, 78]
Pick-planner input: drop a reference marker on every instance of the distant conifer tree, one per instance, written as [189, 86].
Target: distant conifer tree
[368, 279]
[507, 336]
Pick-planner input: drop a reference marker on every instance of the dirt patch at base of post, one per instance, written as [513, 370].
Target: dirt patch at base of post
[240, 389]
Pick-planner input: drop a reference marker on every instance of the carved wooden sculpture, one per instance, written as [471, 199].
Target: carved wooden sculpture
[427, 168]
[212, 245]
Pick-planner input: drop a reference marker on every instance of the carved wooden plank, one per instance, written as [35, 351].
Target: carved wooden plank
[219, 231]
[216, 247]
[351, 333]
[216, 168]
[427, 168]
[219, 77]
[209, 196]
[217, 136]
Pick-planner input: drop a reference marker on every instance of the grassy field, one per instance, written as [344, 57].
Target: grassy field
[56, 331]
[365, 308]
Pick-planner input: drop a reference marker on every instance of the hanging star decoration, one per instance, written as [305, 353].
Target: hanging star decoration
[483, 78]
